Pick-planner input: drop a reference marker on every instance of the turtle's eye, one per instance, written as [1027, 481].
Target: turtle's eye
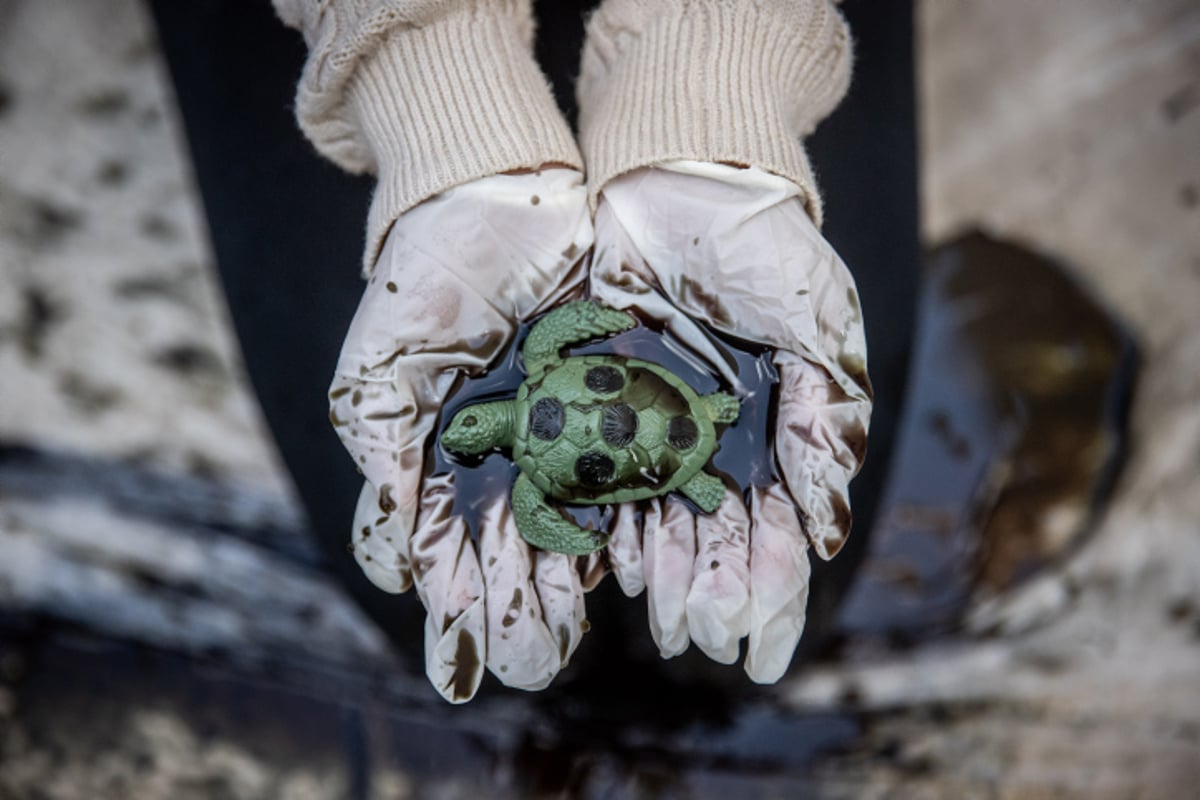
[469, 421]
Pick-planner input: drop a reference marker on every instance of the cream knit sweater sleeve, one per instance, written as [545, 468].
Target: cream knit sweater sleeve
[738, 81]
[426, 94]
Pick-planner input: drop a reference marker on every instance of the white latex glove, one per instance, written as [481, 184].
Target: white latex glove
[456, 276]
[734, 249]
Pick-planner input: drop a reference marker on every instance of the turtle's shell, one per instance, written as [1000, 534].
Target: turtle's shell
[607, 429]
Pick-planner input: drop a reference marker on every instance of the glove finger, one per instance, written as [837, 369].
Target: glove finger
[380, 542]
[718, 604]
[592, 569]
[560, 593]
[521, 652]
[623, 279]
[450, 585]
[668, 553]
[625, 550]
[779, 572]
[454, 654]
[820, 443]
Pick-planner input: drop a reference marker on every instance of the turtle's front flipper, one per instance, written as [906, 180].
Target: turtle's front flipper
[544, 527]
[706, 491]
[722, 408]
[569, 324]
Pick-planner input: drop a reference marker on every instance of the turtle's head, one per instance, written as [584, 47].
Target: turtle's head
[477, 429]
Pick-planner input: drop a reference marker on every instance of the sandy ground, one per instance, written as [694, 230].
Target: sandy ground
[1072, 127]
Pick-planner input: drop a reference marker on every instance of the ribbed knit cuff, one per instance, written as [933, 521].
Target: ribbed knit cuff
[448, 103]
[709, 80]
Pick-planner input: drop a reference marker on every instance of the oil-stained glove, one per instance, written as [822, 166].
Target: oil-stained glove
[708, 247]
[456, 276]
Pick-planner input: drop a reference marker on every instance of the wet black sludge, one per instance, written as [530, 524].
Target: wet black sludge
[744, 456]
[1012, 437]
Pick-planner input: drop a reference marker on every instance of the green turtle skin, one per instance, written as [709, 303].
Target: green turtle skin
[594, 430]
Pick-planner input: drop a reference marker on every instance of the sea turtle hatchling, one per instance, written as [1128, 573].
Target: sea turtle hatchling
[594, 429]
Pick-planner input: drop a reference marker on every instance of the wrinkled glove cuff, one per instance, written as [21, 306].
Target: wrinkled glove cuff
[707, 80]
[450, 102]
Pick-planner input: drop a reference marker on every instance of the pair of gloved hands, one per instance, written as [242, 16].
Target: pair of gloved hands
[695, 246]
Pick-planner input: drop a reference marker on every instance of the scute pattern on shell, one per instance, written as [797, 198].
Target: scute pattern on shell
[619, 425]
[682, 433]
[546, 418]
[594, 469]
[621, 409]
[604, 379]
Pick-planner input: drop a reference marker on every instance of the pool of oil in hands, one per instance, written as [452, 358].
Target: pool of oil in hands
[745, 455]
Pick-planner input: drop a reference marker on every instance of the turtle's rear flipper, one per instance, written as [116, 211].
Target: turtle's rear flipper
[706, 491]
[722, 408]
[571, 323]
[544, 527]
